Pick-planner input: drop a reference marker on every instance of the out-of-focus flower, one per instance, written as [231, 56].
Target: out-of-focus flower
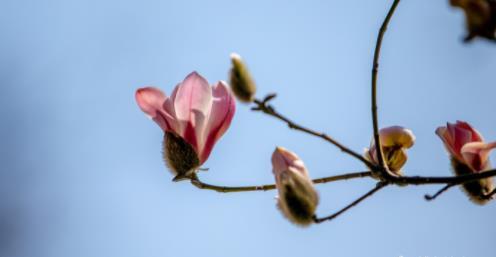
[480, 17]
[469, 154]
[394, 140]
[297, 197]
[193, 118]
[240, 79]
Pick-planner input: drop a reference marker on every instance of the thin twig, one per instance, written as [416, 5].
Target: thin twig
[491, 195]
[378, 187]
[375, 70]
[263, 106]
[438, 193]
[223, 189]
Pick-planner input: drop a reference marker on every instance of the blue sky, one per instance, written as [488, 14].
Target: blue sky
[82, 173]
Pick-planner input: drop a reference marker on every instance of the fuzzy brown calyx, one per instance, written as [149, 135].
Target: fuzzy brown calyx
[179, 156]
[298, 199]
[476, 190]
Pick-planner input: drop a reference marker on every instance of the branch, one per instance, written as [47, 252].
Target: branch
[223, 189]
[438, 193]
[378, 187]
[454, 180]
[263, 106]
[375, 70]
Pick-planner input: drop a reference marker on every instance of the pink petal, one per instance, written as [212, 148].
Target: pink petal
[476, 154]
[169, 108]
[445, 136]
[460, 136]
[192, 105]
[221, 115]
[151, 101]
[372, 154]
[476, 136]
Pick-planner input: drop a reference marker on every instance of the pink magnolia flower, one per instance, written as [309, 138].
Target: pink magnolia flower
[297, 198]
[394, 141]
[194, 118]
[466, 145]
[469, 154]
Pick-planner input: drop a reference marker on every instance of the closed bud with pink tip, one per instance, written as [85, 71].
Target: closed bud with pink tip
[297, 198]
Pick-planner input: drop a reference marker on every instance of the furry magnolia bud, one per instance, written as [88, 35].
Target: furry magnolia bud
[240, 79]
[297, 197]
[179, 156]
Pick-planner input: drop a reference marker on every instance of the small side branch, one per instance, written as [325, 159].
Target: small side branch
[438, 193]
[490, 196]
[378, 187]
[263, 106]
[375, 70]
[223, 189]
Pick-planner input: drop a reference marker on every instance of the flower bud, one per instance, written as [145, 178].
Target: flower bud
[394, 141]
[180, 157]
[297, 199]
[240, 79]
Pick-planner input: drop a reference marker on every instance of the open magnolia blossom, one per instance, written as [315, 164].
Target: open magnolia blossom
[480, 16]
[193, 118]
[297, 197]
[469, 154]
[394, 140]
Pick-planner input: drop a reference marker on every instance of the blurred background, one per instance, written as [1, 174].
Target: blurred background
[81, 172]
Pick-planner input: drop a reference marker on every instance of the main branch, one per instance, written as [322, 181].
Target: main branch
[454, 180]
[375, 70]
[223, 189]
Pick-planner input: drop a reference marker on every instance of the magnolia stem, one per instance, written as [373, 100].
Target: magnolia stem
[263, 106]
[378, 187]
[438, 193]
[454, 180]
[375, 70]
[223, 189]
[413, 180]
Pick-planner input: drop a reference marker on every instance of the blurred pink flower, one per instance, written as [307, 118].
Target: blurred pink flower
[297, 197]
[466, 145]
[195, 112]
